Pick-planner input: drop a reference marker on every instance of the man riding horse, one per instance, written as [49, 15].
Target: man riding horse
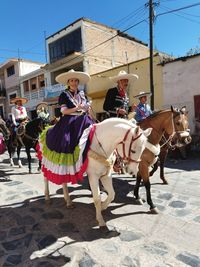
[116, 103]
[19, 116]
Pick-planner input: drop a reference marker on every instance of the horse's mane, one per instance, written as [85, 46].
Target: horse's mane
[33, 123]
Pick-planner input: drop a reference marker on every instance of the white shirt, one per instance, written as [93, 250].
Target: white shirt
[18, 113]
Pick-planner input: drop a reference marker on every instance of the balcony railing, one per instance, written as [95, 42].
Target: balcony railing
[35, 95]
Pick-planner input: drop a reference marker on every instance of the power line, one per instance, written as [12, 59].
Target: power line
[178, 9]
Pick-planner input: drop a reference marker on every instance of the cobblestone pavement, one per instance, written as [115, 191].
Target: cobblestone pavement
[33, 233]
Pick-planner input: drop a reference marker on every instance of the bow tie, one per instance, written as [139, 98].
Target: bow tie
[20, 109]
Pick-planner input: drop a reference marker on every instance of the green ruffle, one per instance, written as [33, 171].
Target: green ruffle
[58, 158]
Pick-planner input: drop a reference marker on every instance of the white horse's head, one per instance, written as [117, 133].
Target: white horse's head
[132, 147]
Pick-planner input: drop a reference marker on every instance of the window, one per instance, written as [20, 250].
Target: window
[10, 71]
[197, 106]
[12, 96]
[33, 83]
[42, 84]
[33, 86]
[41, 80]
[66, 45]
[26, 86]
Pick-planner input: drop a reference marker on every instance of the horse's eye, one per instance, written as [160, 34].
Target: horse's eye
[133, 151]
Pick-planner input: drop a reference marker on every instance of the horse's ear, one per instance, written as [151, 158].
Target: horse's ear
[172, 109]
[183, 110]
[147, 132]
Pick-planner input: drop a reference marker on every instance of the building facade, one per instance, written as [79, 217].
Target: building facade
[11, 72]
[181, 85]
[85, 45]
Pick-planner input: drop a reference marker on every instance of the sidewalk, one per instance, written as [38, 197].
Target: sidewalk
[34, 234]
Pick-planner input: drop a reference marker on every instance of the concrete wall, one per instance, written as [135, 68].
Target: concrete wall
[113, 53]
[181, 81]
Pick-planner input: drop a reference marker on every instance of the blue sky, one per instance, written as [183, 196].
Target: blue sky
[24, 24]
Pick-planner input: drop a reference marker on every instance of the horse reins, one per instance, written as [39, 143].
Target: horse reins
[133, 139]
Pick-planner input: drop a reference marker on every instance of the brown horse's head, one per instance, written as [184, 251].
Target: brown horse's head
[181, 126]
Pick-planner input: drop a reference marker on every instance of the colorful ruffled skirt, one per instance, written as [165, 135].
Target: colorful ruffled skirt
[63, 149]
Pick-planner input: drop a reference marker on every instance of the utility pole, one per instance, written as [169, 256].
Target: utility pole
[151, 4]
[151, 52]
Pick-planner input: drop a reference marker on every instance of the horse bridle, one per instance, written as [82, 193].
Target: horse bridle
[184, 133]
[123, 143]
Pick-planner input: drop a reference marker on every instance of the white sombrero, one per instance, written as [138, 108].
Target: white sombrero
[63, 78]
[141, 94]
[124, 75]
[23, 99]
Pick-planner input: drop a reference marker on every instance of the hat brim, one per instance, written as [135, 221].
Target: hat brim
[129, 77]
[42, 104]
[144, 94]
[22, 99]
[63, 78]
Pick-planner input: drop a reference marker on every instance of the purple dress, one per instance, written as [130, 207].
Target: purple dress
[63, 157]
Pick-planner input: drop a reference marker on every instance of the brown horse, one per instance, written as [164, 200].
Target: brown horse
[162, 122]
[181, 138]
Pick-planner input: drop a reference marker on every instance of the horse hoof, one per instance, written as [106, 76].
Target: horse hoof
[138, 201]
[154, 211]
[71, 206]
[48, 201]
[165, 181]
[104, 229]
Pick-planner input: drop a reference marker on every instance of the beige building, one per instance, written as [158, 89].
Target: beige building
[85, 45]
[10, 73]
[100, 83]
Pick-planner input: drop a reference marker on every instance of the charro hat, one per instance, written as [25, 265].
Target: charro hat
[124, 75]
[63, 78]
[42, 105]
[23, 99]
[141, 94]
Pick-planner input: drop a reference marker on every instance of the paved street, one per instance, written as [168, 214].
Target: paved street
[34, 234]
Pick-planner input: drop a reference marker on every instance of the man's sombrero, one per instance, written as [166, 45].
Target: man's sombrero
[22, 99]
[124, 75]
[63, 78]
[141, 94]
[42, 105]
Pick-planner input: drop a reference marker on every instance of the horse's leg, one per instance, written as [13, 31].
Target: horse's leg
[108, 186]
[155, 167]
[10, 151]
[29, 158]
[147, 185]
[67, 198]
[163, 156]
[18, 156]
[136, 190]
[94, 185]
[46, 190]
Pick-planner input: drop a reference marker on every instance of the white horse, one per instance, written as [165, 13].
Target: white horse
[111, 134]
